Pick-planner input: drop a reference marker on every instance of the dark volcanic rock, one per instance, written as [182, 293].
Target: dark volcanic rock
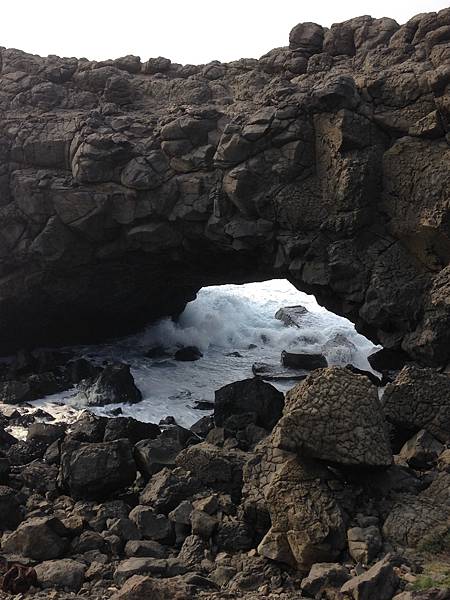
[10, 513]
[93, 471]
[188, 353]
[114, 385]
[125, 189]
[274, 372]
[335, 415]
[127, 427]
[301, 360]
[249, 396]
[39, 538]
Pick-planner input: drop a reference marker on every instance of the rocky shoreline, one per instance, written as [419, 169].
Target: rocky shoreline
[328, 493]
[125, 187]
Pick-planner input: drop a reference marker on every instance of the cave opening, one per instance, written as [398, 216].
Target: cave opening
[225, 334]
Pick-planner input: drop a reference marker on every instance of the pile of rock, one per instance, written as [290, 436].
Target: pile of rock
[300, 497]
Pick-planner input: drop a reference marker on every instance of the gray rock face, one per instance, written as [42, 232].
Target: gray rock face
[335, 415]
[125, 186]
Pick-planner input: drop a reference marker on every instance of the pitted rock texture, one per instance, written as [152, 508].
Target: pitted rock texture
[307, 523]
[126, 186]
[419, 399]
[415, 520]
[335, 415]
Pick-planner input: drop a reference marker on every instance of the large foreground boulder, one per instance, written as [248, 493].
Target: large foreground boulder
[249, 396]
[335, 415]
[93, 471]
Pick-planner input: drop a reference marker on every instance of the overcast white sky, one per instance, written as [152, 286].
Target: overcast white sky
[194, 31]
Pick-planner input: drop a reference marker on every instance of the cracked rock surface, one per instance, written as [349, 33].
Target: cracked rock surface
[335, 415]
[126, 186]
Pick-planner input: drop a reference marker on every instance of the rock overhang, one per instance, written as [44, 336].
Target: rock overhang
[125, 186]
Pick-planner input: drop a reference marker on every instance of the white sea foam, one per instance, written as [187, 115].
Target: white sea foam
[221, 320]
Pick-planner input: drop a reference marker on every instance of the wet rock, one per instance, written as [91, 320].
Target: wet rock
[292, 315]
[115, 384]
[320, 420]
[188, 353]
[157, 352]
[387, 360]
[79, 369]
[249, 396]
[66, 574]
[300, 360]
[95, 470]
[38, 538]
[276, 372]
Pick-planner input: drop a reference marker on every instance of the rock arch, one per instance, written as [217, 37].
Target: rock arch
[126, 186]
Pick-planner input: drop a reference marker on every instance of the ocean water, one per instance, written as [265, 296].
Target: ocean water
[221, 320]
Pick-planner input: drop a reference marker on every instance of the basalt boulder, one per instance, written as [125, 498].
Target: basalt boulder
[334, 415]
[115, 384]
[249, 396]
[92, 471]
